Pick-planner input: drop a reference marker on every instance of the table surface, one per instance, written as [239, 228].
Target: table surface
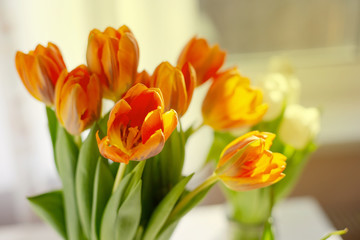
[295, 219]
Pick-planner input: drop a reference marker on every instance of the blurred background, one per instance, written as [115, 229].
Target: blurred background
[321, 38]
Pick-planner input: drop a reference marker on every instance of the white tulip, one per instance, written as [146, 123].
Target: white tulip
[274, 87]
[299, 126]
[280, 87]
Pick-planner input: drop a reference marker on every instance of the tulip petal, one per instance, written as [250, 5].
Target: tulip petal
[111, 152]
[152, 147]
[190, 81]
[152, 122]
[170, 119]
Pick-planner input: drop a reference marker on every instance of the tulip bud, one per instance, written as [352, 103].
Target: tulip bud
[232, 103]
[114, 56]
[78, 99]
[138, 126]
[246, 163]
[206, 60]
[39, 71]
[299, 126]
[176, 86]
[274, 87]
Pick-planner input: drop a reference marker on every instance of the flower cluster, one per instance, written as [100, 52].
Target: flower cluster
[142, 125]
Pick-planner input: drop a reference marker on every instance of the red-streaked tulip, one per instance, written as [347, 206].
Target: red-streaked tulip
[232, 103]
[39, 71]
[138, 126]
[78, 99]
[247, 163]
[206, 60]
[114, 56]
[176, 85]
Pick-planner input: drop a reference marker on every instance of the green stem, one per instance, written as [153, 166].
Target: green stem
[78, 141]
[183, 202]
[119, 176]
[339, 233]
[198, 127]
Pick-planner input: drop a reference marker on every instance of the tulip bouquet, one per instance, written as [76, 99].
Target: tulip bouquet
[296, 126]
[122, 179]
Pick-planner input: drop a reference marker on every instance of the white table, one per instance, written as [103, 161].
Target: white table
[295, 219]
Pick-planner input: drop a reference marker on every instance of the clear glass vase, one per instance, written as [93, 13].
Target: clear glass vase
[244, 231]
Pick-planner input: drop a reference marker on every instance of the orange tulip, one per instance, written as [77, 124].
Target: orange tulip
[138, 127]
[114, 56]
[78, 99]
[232, 103]
[246, 163]
[39, 71]
[176, 85]
[144, 78]
[205, 59]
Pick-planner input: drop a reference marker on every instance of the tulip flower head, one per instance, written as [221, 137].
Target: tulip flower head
[39, 71]
[78, 99]
[232, 103]
[299, 126]
[177, 85]
[138, 126]
[247, 163]
[206, 60]
[114, 56]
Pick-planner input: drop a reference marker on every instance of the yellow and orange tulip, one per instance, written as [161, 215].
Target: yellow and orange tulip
[177, 85]
[247, 163]
[114, 56]
[206, 60]
[138, 126]
[39, 71]
[78, 99]
[232, 103]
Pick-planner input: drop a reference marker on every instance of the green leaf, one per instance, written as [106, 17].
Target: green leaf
[85, 173]
[67, 154]
[137, 171]
[129, 214]
[107, 228]
[103, 184]
[190, 205]
[166, 234]
[50, 208]
[103, 124]
[268, 231]
[295, 164]
[53, 125]
[172, 159]
[162, 171]
[164, 209]
[336, 233]
[114, 166]
[139, 233]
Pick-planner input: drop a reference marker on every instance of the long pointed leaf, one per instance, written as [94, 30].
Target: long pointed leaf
[66, 154]
[85, 173]
[164, 209]
[186, 208]
[53, 125]
[107, 228]
[50, 208]
[103, 184]
[129, 215]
